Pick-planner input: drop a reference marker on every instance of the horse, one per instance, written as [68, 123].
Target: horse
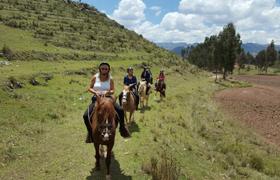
[104, 130]
[144, 97]
[160, 87]
[128, 103]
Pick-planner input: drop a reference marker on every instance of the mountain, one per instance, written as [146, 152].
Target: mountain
[171, 46]
[175, 47]
[253, 48]
[54, 29]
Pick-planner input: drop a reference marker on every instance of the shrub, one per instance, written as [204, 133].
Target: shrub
[7, 52]
[164, 168]
[256, 162]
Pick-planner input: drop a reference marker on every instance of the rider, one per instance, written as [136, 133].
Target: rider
[160, 78]
[146, 75]
[103, 84]
[131, 81]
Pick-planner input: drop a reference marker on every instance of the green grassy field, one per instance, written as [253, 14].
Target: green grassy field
[42, 131]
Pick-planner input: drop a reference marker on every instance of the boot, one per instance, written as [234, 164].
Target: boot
[124, 132]
[89, 139]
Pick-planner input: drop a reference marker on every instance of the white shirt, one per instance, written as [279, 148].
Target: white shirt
[101, 85]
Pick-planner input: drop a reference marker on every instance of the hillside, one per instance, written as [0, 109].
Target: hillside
[67, 30]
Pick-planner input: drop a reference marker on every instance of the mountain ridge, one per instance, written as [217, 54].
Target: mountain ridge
[253, 48]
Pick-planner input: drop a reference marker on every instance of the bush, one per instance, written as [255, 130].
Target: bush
[256, 162]
[164, 168]
[7, 52]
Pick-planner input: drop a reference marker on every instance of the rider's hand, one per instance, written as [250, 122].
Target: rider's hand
[99, 93]
[107, 93]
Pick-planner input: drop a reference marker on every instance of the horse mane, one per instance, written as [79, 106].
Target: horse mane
[104, 109]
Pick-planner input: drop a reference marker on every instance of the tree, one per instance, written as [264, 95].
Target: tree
[217, 52]
[231, 45]
[260, 60]
[250, 58]
[241, 60]
[271, 55]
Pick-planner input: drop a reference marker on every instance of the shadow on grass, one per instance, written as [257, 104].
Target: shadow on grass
[146, 108]
[133, 127]
[115, 170]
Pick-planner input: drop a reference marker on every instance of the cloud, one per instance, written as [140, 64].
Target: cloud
[255, 20]
[130, 13]
[156, 9]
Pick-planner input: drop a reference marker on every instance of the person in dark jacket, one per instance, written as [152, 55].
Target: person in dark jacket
[147, 76]
[131, 81]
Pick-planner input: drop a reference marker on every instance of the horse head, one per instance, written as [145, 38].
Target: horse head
[126, 94]
[104, 119]
[142, 87]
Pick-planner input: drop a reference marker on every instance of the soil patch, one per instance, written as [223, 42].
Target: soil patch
[258, 106]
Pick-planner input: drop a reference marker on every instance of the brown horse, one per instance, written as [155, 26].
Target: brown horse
[144, 98]
[128, 103]
[104, 129]
[160, 87]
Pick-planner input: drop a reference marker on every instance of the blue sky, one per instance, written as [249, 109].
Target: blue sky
[191, 21]
[109, 6]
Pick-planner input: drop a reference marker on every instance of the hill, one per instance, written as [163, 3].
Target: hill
[64, 29]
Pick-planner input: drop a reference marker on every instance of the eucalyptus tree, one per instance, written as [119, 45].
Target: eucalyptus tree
[231, 46]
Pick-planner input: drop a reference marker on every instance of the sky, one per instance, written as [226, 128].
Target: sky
[190, 21]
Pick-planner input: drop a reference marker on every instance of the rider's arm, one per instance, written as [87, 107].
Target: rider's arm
[125, 81]
[112, 88]
[90, 88]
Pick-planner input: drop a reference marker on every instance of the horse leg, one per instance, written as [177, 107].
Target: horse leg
[108, 159]
[97, 156]
[130, 115]
[141, 103]
[125, 116]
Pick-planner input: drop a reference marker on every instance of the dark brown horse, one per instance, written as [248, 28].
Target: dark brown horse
[160, 87]
[104, 129]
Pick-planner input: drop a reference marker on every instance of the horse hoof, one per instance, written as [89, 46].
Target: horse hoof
[108, 177]
[97, 168]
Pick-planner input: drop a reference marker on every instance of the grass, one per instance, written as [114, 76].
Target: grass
[252, 70]
[42, 131]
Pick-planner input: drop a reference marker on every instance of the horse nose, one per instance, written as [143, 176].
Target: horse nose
[124, 100]
[106, 137]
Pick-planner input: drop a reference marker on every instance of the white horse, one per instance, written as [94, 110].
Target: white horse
[128, 103]
[144, 98]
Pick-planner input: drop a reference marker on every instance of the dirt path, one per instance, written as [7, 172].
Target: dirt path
[258, 106]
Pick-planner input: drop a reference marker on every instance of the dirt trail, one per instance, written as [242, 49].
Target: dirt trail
[258, 106]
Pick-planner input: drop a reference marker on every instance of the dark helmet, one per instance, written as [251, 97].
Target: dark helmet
[129, 68]
[104, 63]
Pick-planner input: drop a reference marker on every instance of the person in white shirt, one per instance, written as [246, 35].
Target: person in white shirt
[102, 84]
